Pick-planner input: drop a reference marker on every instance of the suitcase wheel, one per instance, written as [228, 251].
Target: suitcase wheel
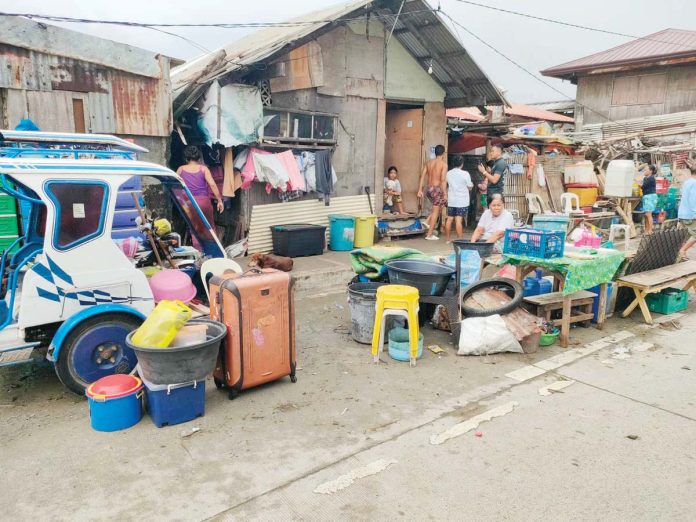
[218, 383]
[293, 378]
[232, 394]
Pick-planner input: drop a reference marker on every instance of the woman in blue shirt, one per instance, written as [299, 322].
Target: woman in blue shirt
[649, 197]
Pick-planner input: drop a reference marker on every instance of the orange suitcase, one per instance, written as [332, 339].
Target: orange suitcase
[258, 309]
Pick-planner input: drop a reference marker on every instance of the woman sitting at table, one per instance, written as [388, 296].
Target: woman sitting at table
[491, 227]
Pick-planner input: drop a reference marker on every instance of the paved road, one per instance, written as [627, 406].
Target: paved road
[619, 443]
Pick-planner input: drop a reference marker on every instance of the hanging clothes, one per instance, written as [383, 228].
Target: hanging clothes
[249, 168]
[324, 175]
[270, 169]
[231, 180]
[297, 181]
[309, 171]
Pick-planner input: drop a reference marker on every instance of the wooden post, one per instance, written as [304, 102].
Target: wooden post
[565, 321]
[602, 308]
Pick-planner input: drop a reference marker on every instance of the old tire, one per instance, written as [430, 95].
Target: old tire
[96, 348]
[509, 286]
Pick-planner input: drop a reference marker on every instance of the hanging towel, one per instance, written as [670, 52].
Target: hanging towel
[249, 168]
[324, 175]
[308, 167]
[270, 169]
[297, 181]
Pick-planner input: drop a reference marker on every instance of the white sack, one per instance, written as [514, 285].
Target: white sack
[486, 335]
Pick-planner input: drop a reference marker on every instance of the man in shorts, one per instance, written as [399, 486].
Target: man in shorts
[436, 170]
[687, 209]
[458, 186]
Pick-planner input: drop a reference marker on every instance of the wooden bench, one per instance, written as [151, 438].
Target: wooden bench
[546, 304]
[680, 275]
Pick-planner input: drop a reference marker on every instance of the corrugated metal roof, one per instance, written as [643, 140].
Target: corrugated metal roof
[515, 109]
[419, 29]
[674, 124]
[310, 211]
[669, 43]
[553, 106]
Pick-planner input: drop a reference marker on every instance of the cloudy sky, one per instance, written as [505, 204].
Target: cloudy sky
[531, 43]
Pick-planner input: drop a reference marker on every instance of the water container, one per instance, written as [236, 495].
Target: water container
[530, 286]
[364, 231]
[341, 232]
[545, 286]
[361, 300]
[580, 172]
[619, 178]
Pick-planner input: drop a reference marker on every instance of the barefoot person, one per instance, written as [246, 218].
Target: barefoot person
[458, 186]
[687, 209]
[436, 170]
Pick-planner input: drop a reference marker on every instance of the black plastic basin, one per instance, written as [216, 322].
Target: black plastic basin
[429, 277]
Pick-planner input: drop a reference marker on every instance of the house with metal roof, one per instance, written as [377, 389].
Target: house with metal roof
[67, 81]
[368, 79]
[633, 87]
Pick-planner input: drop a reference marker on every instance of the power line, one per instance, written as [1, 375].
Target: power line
[576, 26]
[527, 71]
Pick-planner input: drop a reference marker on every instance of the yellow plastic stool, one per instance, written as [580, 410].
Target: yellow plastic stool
[396, 300]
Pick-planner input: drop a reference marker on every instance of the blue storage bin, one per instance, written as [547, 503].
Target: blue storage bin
[123, 233]
[134, 183]
[124, 200]
[341, 232]
[170, 404]
[125, 219]
[550, 222]
[595, 302]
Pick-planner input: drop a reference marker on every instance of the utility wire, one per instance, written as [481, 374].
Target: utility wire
[527, 71]
[576, 26]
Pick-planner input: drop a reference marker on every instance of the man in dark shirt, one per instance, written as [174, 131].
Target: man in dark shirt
[495, 179]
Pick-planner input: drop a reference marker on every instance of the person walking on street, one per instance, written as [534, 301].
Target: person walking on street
[495, 177]
[458, 186]
[687, 209]
[436, 170]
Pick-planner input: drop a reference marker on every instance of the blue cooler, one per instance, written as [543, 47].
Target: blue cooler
[115, 402]
[595, 302]
[170, 404]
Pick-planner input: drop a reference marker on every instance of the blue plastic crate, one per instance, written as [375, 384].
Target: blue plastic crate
[175, 403]
[543, 244]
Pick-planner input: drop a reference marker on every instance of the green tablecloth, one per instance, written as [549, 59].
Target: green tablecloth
[580, 274]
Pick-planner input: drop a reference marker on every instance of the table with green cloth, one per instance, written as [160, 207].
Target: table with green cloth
[576, 274]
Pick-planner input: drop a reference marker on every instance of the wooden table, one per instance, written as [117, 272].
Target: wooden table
[521, 271]
[652, 281]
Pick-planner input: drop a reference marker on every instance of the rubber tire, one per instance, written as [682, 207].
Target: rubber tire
[73, 382]
[492, 283]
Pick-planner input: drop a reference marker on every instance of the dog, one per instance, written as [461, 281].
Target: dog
[271, 261]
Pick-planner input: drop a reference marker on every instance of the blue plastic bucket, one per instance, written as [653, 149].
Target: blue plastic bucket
[115, 402]
[399, 346]
[341, 232]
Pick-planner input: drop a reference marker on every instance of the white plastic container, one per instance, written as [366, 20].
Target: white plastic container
[620, 178]
[580, 172]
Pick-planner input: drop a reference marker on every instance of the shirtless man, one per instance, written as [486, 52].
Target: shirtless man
[436, 169]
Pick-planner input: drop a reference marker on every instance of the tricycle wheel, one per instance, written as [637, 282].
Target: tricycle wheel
[95, 348]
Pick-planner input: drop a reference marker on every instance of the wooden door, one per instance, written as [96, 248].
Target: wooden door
[404, 149]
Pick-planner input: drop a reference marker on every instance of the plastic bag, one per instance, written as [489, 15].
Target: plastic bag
[486, 335]
[470, 267]
[162, 325]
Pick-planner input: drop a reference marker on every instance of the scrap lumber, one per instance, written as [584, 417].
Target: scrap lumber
[520, 322]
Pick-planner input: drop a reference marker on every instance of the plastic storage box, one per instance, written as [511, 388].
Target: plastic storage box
[170, 404]
[668, 301]
[587, 194]
[528, 242]
[551, 222]
[298, 240]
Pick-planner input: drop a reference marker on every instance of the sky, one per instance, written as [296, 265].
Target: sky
[531, 43]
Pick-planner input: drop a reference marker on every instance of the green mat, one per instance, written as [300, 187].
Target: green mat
[369, 261]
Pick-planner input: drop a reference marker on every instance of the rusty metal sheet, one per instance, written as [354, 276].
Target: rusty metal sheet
[141, 105]
[101, 113]
[23, 69]
[72, 75]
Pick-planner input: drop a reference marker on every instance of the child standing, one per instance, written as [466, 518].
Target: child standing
[649, 197]
[458, 186]
[392, 190]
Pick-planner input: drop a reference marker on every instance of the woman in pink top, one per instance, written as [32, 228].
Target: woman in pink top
[198, 179]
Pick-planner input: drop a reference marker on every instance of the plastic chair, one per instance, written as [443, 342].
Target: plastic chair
[396, 300]
[626, 231]
[567, 200]
[535, 205]
[215, 267]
